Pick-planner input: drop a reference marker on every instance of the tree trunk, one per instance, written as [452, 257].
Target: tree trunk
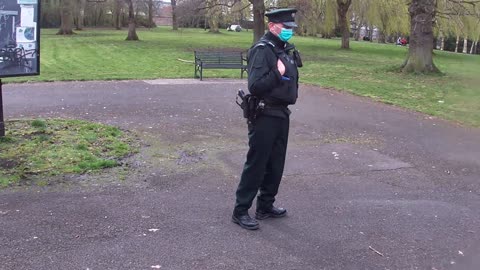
[370, 33]
[213, 13]
[456, 43]
[2, 119]
[213, 22]
[465, 45]
[420, 53]
[150, 14]
[258, 19]
[174, 15]
[342, 10]
[442, 43]
[381, 37]
[80, 14]
[117, 16]
[132, 29]
[66, 17]
[356, 35]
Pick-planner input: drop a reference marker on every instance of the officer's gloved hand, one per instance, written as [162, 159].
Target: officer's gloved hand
[281, 67]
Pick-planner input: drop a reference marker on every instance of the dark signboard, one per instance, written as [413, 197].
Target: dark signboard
[19, 38]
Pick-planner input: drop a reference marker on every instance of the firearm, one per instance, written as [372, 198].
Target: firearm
[242, 97]
[243, 103]
[251, 105]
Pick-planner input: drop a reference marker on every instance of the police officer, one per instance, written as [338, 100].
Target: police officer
[272, 78]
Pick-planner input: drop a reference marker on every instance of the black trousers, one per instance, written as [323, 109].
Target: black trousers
[263, 170]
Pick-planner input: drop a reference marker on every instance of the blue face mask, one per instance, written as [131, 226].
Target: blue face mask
[285, 34]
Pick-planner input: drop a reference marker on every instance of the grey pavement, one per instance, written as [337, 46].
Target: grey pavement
[367, 185]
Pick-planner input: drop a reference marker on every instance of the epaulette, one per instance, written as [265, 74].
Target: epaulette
[263, 42]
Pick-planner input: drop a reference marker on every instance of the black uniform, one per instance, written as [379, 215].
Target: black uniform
[268, 134]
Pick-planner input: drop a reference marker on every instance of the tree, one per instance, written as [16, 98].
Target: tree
[475, 35]
[117, 14]
[420, 53]
[237, 14]
[150, 14]
[469, 23]
[389, 16]
[80, 14]
[343, 22]
[174, 15]
[457, 18]
[132, 28]
[360, 10]
[66, 17]
[456, 25]
[258, 19]
[213, 15]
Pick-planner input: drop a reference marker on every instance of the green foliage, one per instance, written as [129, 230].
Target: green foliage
[37, 123]
[458, 19]
[390, 16]
[315, 17]
[61, 147]
[5, 140]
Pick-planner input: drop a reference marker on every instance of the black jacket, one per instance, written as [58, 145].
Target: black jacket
[264, 79]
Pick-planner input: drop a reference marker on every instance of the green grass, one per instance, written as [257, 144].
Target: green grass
[56, 147]
[368, 69]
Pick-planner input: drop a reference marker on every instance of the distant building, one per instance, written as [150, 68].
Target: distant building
[163, 13]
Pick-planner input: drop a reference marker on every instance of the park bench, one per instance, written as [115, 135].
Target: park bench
[219, 60]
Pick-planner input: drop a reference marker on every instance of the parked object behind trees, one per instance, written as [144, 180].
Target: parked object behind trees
[234, 27]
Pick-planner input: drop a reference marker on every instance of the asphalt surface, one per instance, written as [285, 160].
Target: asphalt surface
[367, 185]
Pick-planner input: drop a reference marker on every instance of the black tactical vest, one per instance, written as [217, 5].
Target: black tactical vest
[286, 93]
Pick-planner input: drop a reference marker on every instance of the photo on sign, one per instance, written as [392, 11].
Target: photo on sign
[19, 38]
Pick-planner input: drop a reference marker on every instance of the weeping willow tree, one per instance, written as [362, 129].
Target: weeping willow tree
[458, 19]
[468, 25]
[239, 12]
[314, 17]
[213, 15]
[442, 30]
[471, 31]
[475, 33]
[389, 16]
[456, 23]
[322, 17]
[360, 11]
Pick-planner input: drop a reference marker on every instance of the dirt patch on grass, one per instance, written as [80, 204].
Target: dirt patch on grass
[7, 164]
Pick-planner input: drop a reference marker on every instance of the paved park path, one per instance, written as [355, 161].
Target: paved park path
[367, 185]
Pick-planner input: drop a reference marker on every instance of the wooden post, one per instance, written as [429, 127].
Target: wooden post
[2, 124]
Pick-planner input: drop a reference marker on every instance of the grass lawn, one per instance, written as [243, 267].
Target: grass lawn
[367, 69]
[34, 149]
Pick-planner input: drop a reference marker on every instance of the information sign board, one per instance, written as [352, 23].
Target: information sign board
[19, 38]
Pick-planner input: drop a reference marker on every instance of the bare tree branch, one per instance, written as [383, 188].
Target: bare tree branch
[220, 5]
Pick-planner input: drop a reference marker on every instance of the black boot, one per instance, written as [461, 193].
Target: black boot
[273, 212]
[245, 221]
